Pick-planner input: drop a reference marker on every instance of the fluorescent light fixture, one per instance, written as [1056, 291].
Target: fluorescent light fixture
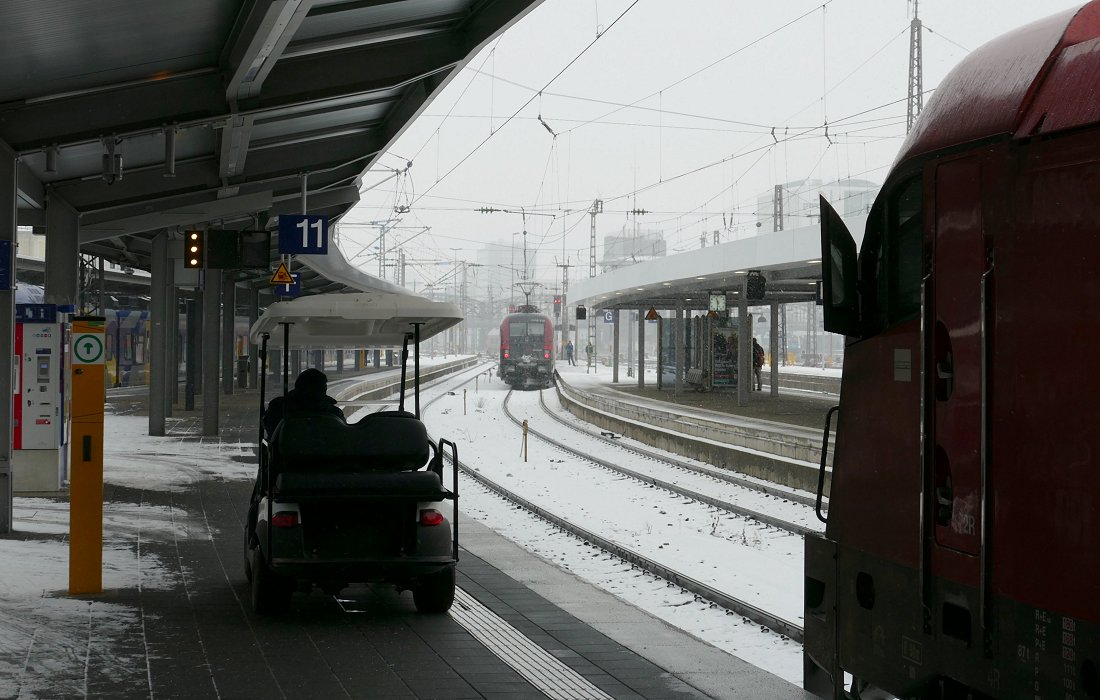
[813, 261]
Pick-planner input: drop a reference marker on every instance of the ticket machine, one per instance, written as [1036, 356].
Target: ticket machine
[40, 417]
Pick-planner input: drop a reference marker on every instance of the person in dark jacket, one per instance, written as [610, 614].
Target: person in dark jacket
[309, 396]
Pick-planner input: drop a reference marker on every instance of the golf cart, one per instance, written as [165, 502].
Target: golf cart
[337, 503]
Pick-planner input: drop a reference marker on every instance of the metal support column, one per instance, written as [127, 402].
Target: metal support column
[678, 344]
[101, 305]
[200, 309]
[211, 350]
[253, 351]
[158, 326]
[171, 337]
[8, 180]
[357, 363]
[641, 349]
[744, 345]
[229, 340]
[191, 355]
[615, 347]
[773, 348]
[339, 360]
[62, 251]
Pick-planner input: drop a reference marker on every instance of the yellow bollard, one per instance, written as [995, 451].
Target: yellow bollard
[86, 457]
[476, 379]
[463, 402]
[524, 439]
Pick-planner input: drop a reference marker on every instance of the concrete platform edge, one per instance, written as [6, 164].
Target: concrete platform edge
[697, 663]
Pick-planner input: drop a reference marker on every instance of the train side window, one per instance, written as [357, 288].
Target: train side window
[897, 256]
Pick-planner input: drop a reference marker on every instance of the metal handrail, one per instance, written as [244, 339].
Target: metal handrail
[824, 457]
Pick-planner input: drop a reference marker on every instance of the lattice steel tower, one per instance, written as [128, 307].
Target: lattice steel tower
[916, 71]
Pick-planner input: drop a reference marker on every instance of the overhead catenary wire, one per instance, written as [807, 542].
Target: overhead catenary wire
[557, 75]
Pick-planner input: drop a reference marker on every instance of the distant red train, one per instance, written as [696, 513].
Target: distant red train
[526, 349]
[961, 558]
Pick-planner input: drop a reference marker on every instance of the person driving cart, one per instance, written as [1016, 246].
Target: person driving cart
[309, 395]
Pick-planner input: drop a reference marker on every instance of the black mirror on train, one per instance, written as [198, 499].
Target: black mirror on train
[840, 302]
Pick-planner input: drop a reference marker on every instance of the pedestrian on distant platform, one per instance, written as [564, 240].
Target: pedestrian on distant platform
[588, 350]
[569, 354]
[757, 361]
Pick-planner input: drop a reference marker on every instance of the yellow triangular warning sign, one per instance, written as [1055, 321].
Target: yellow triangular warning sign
[282, 275]
[652, 315]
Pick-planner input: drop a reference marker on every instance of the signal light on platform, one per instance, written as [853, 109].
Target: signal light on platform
[194, 249]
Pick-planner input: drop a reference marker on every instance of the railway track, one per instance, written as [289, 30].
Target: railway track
[734, 479]
[762, 518]
[702, 590]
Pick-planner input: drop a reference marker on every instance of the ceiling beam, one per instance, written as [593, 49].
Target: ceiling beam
[199, 97]
[390, 32]
[30, 188]
[210, 208]
[258, 42]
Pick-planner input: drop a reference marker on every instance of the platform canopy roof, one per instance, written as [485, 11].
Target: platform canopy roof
[365, 318]
[244, 97]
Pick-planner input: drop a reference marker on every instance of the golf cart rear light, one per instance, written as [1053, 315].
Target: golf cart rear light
[284, 519]
[431, 517]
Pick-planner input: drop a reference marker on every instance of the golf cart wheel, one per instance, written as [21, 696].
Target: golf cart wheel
[270, 591]
[436, 592]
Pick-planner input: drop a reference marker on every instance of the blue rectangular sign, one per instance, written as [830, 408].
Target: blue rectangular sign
[302, 234]
[36, 313]
[290, 290]
[609, 316]
[6, 263]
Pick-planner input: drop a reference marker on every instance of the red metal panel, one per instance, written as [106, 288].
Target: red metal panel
[873, 504]
[1070, 96]
[1046, 443]
[959, 261]
[984, 95]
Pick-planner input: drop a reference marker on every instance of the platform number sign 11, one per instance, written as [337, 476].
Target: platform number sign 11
[301, 234]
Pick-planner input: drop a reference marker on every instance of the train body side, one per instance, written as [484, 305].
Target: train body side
[526, 357]
[961, 554]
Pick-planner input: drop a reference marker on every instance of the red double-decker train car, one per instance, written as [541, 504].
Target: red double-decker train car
[961, 558]
[526, 349]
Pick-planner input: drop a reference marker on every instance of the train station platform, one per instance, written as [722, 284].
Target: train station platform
[775, 438]
[175, 622]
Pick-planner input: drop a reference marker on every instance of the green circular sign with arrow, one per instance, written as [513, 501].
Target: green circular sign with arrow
[88, 349]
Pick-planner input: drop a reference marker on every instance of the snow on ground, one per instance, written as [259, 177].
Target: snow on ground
[45, 635]
[751, 562]
[50, 631]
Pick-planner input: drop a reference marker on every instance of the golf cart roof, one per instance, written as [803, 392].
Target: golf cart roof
[362, 319]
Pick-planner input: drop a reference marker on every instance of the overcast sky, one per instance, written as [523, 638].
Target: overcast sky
[707, 81]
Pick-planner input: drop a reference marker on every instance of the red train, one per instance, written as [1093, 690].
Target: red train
[962, 553]
[526, 349]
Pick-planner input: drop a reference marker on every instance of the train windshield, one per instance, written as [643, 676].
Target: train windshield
[520, 329]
